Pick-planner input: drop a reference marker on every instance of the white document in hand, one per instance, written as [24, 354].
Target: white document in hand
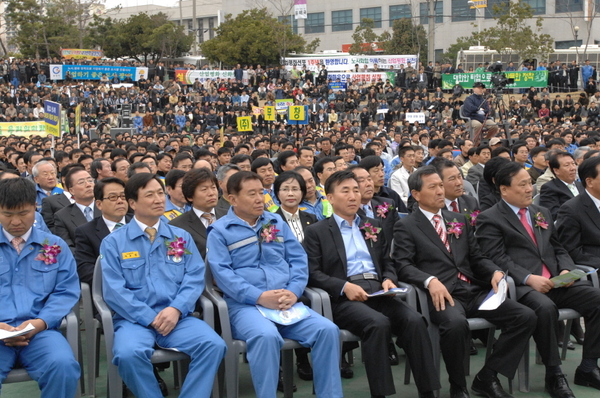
[5, 334]
[493, 300]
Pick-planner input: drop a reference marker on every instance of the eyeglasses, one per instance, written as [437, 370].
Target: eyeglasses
[294, 190]
[113, 197]
[84, 181]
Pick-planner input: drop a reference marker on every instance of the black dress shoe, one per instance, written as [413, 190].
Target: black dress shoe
[280, 384]
[346, 371]
[393, 355]
[489, 388]
[473, 350]
[305, 371]
[588, 379]
[570, 345]
[458, 392]
[161, 383]
[427, 394]
[558, 387]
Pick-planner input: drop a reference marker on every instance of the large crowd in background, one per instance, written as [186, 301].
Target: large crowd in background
[184, 170]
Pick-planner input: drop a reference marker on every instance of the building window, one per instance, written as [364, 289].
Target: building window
[314, 23]
[569, 5]
[538, 6]
[424, 12]
[566, 44]
[373, 13]
[200, 30]
[401, 11]
[211, 28]
[289, 20]
[461, 11]
[439, 55]
[341, 20]
[489, 10]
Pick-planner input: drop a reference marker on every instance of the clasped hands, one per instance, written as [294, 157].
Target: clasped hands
[279, 299]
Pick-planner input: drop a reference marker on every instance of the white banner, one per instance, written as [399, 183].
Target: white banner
[56, 72]
[412, 117]
[141, 73]
[352, 76]
[346, 63]
[300, 9]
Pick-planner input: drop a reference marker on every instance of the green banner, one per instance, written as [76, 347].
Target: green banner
[534, 78]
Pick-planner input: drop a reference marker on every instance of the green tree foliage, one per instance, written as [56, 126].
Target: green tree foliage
[141, 36]
[512, 31]
[363, 37]
[254, 37]
[406, 38]
[462, 43]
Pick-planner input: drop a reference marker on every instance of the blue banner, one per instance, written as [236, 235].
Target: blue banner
[337, 86]
[95, 72]
[52, 117]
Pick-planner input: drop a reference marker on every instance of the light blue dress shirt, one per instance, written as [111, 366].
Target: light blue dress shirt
[357, 253]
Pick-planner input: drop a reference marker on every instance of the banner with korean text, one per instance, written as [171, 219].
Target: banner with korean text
[95, 72]
[52, 118]
[186, 76]
[346, 63]
[526, 79]
[369, 77]
[23, 129]
[80, 53]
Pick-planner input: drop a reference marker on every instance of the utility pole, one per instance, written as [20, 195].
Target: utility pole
[431, 39]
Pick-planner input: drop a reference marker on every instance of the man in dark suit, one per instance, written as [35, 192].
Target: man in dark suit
[445, 259]
[520, 237]
[52, 204]
[454, 188]
[564, 187]
[109, 194]
[578, 220]
[223, 174]
[360, 265]
[200, 189]
[81, 186]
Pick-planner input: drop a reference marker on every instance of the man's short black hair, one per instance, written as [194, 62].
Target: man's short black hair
[69, 176]
[17, 192]
[369, 162]
[415, 181]
[172, 177]
[289, 175]
[283, 157]
[195, 177]
[554, 162]
[137, 182]
[99, 186]
[182, 156]
[234, 183]
[337, 178]
[589, 169]
[506, 173]
[240, 158]
[491, 168]
[320, 165]
[258, 163]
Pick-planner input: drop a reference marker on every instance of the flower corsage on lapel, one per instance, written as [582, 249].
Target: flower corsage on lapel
[268, 234]
[455, 228]
[48, 253]
[472, 217]
[370, 232]
[384, 209]
[540, 221]
[176, 249]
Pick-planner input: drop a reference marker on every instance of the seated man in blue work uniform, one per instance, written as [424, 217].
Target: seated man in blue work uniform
[256, 260]
[152, 276]
[38, 286]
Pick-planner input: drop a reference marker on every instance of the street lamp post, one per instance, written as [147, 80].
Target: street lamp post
[576, 30]
[472, 4]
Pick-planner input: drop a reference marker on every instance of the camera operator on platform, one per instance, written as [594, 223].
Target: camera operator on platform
[476, 108]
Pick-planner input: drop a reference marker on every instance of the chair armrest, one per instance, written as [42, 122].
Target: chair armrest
[208, 311]
[315, 300]
[72, 331]
[512, 288]
[423, 303]
[325, 302]
[222, 312]
[593, 276]
[410, 296]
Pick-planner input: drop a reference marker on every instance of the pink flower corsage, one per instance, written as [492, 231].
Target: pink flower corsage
[384, 209]
[176, 249]
[371, 232]
[269, 233]
[48, 253]
[540, 221]
[472, 217]
[455, 228]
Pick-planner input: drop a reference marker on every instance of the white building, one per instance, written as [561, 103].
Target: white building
[334, 21]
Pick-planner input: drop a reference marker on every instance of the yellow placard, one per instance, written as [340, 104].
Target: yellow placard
[128, 255]
[297, 113]
[23, 129]
[269, 113]
[244, 123]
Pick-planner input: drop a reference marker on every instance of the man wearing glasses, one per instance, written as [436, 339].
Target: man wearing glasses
[81, 186]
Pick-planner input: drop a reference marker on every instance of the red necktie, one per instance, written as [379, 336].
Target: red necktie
[16, 243]
[523, 219]
[454, 206]
[441, 231]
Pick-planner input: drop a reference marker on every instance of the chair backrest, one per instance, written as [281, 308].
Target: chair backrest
[470, 190]
[536, 200]
[461, 113]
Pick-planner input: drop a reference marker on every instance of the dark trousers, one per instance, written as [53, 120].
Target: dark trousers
[375, 321]
[516, 321]
[581, 297]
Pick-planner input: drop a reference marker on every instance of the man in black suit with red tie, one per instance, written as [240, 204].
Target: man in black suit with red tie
[436, 250]
[562, 188]
[454, 188]
[348, 257]
[578, 220]
[520, 237]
